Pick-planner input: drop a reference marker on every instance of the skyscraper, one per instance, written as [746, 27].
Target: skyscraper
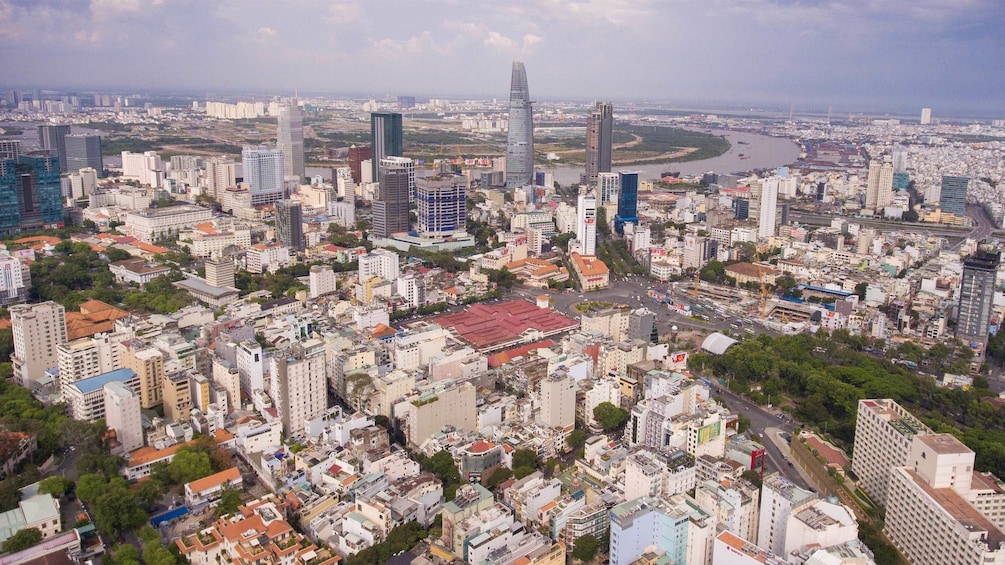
[263, 171]
[977, 295]
[221, 174]
[599, 133]
[879, 185]
[390, 209]
[769, 204]
[388, 140]
[628, 200]
[953, 197]
[607, 187]
[441, 205]
[31, 196]
[406, 164]
[520, 143]
[926, 116]
[83, 151]
[586, 223]
[290, 138]
[290, 224]
[356, 157]
[52, 138]
[38, 331]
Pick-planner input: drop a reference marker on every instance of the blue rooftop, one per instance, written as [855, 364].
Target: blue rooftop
[824, 290]
[94, 383]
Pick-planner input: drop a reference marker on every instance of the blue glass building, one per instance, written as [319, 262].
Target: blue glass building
[30, 193]
[954, 195]
[388, 139]
[628, 201]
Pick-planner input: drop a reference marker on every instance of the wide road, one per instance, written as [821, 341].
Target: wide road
[815, 219]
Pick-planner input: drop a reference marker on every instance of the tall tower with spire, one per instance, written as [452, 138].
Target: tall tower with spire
[520, 144]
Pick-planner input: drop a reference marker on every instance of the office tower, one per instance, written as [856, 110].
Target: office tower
[263, 171]
[557, 408]
[290, 224]
[780, 499]
[586, 224]
[406, 102]
[926, 116]
[31, 195]
[38, 330]
[10, 149]
[356, 157]
[441, 203]
[768, 211]
[83, 151]
[520, 141]
[52, 138]
[599, 133]
[640, 324]
[220, 272]
[387, 140]
[628, 200]
[122, 414]
[221, 174]
[148, 364]
[883, 434]
[977, 295]
[607, 187]
[409, 166]
[290, 138]
[299, 389]
[899, 159]
[953, 197]
[390, 209]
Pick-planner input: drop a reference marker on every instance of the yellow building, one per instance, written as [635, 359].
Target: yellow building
[148, 364]
[593, 273]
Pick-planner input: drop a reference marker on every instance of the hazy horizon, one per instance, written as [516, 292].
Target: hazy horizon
[857, 56]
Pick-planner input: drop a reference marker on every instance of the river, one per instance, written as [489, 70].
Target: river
[760, 152]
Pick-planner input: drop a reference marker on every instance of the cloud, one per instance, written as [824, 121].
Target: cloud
[344, 12]
[264, 34]
[415, 45]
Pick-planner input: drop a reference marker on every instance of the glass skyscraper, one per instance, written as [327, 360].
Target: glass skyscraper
[977, 295]
[388, 140]
[520, 143]
[263, 171]
[83, 151]
[628, 200]
[53, 139]
[290, 138]
[31, 196]
[441, 205]
[954, 195]
[290, 224]
[599, 133]
[390, 209]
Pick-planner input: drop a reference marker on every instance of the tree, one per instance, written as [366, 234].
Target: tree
[522, 471]
[116, 510]
[524, 458]
[115, 254]
[189, 465]
[90, 487]
[56, 485]
[149, 493]
[609, 416]
[498, 476]
[585, 547]
[753, 477]
[229, 501]
[125, 554]
[23, 539]
[576, 439]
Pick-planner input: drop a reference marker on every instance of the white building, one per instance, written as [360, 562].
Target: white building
[15, 278]
[136, 271]
[734, 504]
[780, 499]
[769, 203]
[379, 263]
[122, 414]
[322, 280]
[607, 187]
[146, 168]
[883, 434]
[299, 387]
[557, 401]
[263, 171]
[412, 289]
[153, 224]
[586, 224]
[823, 524]
[38, 330]
[262, 257]
[88, 357]
[85, 399]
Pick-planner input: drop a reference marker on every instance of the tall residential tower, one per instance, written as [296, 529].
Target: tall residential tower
[520, 143]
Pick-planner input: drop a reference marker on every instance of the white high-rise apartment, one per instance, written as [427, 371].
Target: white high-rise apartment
[586, 224]
[929, 516]
[250, 366]
[926, 116]
[39, 330]
[883, 435]
[290, 138]
[379, 263]
[146, 167]
[263, 171]
[322, 280]
[88, 357]
[769, 203]
[879, 185]
[607, 187]
[299, 387]
[122, 414]
[557, 408]
[780, 499]
[221, 174]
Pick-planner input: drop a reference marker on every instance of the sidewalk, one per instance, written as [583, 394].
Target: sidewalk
[772, 435]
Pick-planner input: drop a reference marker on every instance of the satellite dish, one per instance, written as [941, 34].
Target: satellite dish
[673, 328]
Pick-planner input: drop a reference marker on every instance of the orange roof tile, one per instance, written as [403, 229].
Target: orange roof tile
[215, 479]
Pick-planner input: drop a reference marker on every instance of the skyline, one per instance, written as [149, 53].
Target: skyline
[897, 55]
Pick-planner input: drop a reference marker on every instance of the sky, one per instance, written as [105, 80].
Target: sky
[852, 55]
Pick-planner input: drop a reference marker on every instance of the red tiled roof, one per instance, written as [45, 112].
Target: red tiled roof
[503, 357]
[488, 325]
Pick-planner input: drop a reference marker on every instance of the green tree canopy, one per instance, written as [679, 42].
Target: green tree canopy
[585, 547]
[524, 458]
[576, 439]
[229, 501]
[21, 540]
[609, 416]
[498, 476]
[188, 465]
[55, 485]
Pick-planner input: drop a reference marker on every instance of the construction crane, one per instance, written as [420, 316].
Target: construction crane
[764, 291]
